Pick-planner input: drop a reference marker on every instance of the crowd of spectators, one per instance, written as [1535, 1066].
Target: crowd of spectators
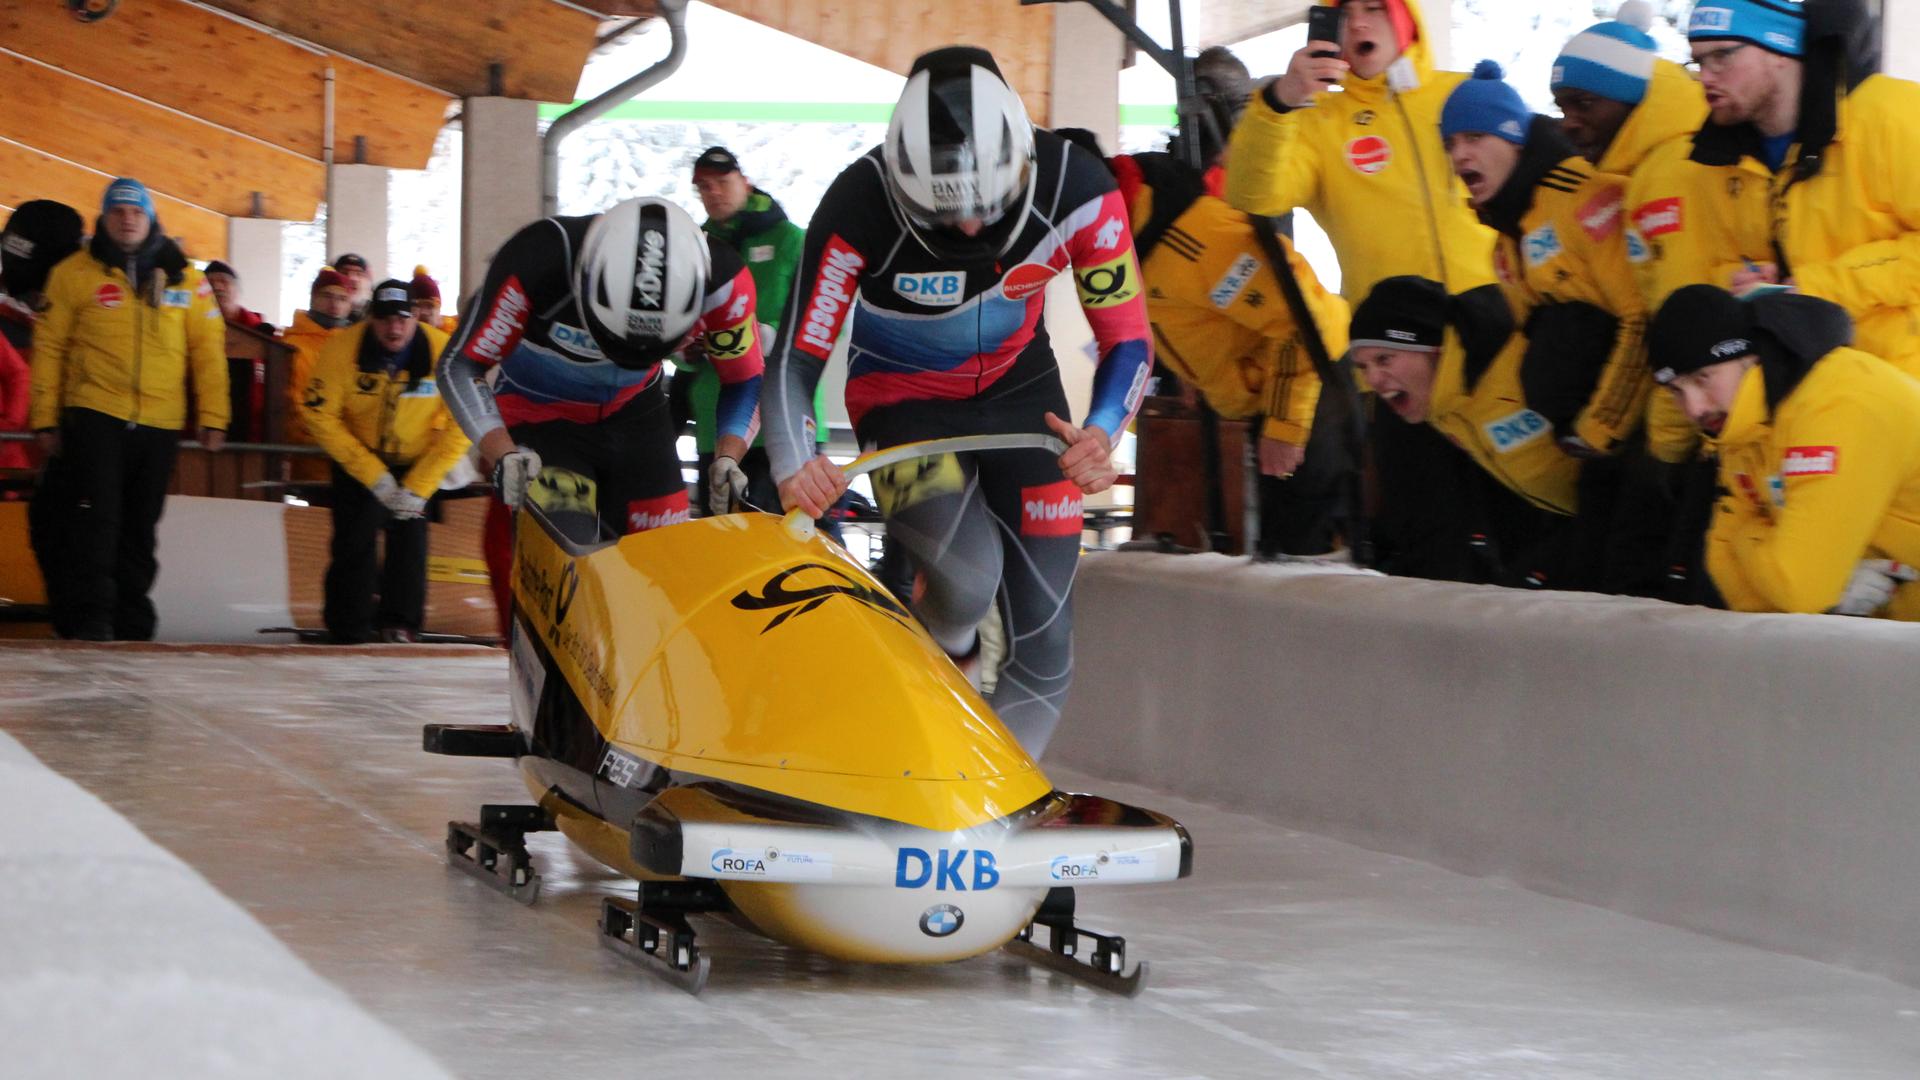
[1665, 344]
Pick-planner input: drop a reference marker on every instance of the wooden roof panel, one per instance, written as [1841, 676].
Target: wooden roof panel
[26, 173]
[112, 132]
[185, 57]
[540, 46]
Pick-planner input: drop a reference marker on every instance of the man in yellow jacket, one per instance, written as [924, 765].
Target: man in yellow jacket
[128, 323]
[329, 310]
[1367, 163]
[373, 405]
[1797, 109]
[1222, 321]
[1819, 452]
[1453, 362]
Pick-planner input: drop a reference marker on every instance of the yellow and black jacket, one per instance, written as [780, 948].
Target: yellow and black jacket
[1221, 319]
[1562, 263]
[1368, 165]
[1478, 404]
[1819, 466]
[127, 349]
[372, 422]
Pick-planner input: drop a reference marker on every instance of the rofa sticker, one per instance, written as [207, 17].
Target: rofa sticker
[1369, 154]
[109, 295]
[1811, 461]
[1024, 280]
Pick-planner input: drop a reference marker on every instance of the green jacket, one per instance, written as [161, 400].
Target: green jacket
[771, 245]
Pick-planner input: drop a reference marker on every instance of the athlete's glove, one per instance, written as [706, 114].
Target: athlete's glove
[1872, 586]
[513, 473]
[726, 486]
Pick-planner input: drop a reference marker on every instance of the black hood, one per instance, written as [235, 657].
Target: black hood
[1791, 333]
[1539, 166]
[1484, 324]
[1842, 50]
[1175, 186]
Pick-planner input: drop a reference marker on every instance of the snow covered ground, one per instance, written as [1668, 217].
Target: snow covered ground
[295, 784]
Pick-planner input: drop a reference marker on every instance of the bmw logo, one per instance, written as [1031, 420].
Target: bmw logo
[941, 920]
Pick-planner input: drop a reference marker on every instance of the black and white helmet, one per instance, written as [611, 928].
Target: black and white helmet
[641, 280]
[960, 148]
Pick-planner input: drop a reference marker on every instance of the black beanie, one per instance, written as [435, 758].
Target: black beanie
[40, 233]
[1401, 313]
[1698, 326]
[218, 267]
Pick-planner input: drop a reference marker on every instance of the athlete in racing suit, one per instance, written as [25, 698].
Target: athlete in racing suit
[578, 383]
[948, 341]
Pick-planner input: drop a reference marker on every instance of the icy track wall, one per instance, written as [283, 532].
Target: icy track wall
[116, 959]
[1755, 777]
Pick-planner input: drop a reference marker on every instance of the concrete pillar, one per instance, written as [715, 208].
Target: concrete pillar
[255, 251]
[1900, 45]
[1439, 18]
[357, 217]
[1084, 87]
[499, 178]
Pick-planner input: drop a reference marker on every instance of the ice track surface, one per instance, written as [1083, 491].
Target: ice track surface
[295, 783]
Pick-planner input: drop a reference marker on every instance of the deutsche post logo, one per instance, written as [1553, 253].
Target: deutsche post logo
[1109, 284]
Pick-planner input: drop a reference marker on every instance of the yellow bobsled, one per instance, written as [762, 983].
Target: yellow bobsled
[735, 713]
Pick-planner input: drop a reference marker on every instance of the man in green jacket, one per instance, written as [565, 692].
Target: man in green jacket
[753, 223]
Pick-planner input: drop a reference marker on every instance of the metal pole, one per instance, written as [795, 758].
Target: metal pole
[1186, 93]
[326, 153]
[675, 12]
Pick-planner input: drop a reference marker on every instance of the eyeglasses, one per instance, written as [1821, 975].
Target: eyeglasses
[1715, 61]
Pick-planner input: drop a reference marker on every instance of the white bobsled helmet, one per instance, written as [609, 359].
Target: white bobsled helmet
[959, 148]
[641, 280]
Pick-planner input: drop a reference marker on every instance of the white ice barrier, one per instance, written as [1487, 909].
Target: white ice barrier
[118, 960]
[1752, 776]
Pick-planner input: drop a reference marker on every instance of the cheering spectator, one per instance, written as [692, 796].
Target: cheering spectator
[1819, 454]
[374, 406]
[128, 322]
[246, 379]
[329, 309]
[1367, 163]
[1825, 148]
[425, 295]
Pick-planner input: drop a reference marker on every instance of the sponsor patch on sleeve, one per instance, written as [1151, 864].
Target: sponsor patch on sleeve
[1660, 217]
[1600, 217]
[1516, 430]
[1234, 282]
[836, 281]
[1810, 461]
[730, 343]
[499, 333]
[1109, 284]
[1051, 510]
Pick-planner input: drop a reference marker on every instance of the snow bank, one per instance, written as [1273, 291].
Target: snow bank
[117, 959]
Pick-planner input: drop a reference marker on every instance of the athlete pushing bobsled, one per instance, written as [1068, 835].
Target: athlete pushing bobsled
[944, 239]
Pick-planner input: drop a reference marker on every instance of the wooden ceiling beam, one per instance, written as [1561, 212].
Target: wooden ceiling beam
[540, 47]
[107, 130]
[26, 173]
[186, 57]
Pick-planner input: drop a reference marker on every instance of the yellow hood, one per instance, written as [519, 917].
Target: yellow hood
[1674, 108]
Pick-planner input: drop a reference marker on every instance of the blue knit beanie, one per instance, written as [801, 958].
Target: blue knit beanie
[127, 192]
[1611, 59]
[1486, 104]
[1778, 26]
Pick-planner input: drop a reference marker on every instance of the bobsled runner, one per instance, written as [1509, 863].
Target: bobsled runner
[734, 713]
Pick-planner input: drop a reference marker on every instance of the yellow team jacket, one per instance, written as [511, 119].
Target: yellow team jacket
[1488, 418]
[372, 424]
[1368, 165]
[307, 338]
[1852, 233]
[1222, 323]
[1831, 477]
[100, 345]
[1651, 150]
[1572, 247]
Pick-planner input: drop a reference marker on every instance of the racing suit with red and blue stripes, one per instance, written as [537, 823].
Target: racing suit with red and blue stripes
[944, 346]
